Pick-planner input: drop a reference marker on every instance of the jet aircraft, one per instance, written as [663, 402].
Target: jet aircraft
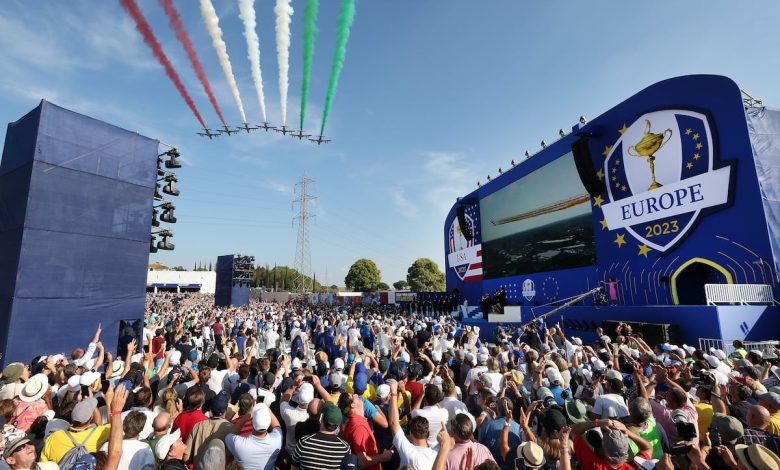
[227, 130]
[319, 140]
[207, 133]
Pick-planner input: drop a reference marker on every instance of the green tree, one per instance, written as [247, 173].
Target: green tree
[424, 276]
[363, 276]
[382, 286]
[401, 285]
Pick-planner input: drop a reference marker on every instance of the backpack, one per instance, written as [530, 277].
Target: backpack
[78, 456]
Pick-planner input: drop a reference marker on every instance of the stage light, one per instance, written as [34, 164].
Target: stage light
[527, 154]
[152, 247]
[488, 178]
[583, 120]
[155, 222]
[544, 144]
[513, 163]
[561, 133]
[500, 171]
[479, 184]
[173, 155]
[157, 195]
[165, 244]
[170, 188]
[167, 215]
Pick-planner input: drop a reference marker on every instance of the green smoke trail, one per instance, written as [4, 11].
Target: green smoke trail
[346, 16]
[309, 38]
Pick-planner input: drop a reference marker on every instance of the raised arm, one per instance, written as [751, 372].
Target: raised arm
[392, 410]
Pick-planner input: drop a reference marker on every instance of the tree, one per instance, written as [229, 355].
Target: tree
[424, 276]
[383, 286]
[401, 285]
[363, 276]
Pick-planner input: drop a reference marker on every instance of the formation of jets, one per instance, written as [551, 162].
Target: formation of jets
[246, 127]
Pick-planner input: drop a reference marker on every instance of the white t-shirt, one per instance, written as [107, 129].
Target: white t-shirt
[148, 429]
[437, 419]
[136, 455]
[610, 406]
[354, 336]
[271, 337]
[420, 458]
[269, 396]
[292, 415]
[453, 407]
[496, 380]
[474, 373]
[216, 382]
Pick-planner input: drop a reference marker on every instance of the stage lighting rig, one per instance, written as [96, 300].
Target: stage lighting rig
[562, 133]
[544, 144]
[170, 188]
[527, 154]
[513, 163]
[152, 247]
[583, 120]
[173, 158]
[164, 244]
[155, 221]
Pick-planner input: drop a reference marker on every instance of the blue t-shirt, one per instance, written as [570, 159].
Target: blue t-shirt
[490, 433]
[557, 392]
[240, 342]
[256, 453]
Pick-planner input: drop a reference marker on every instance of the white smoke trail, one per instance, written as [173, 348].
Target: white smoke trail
[212, 26]
[284, 13]
[247, 14]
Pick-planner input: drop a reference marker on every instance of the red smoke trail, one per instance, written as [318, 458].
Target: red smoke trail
[184, 39]
[143, 27]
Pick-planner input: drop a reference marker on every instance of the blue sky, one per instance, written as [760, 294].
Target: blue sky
[433, 97]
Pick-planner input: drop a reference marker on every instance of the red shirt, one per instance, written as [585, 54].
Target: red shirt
[158, 344]
[246, 429]
[415, 388]
[358, 435]
[218, 329]
[590, 460]
[186, 421]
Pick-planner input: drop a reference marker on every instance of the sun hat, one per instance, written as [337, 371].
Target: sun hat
[576, 411]
[15, 444]
[756, 457]
[116, 369]
[729, 427]
[13, 372]
[165, 443]
[33, 390]
[532, 453]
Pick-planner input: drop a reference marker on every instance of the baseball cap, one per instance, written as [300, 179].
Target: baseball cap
[486, 380]
[338, 363]
[305, 393]
[261, 417]
[383, 391]
[615, 445]
[15, 444]
[360, 383]
[729, 427]
[13, 372]
[164, 444]
[83, 410]
[331, 415]
[770, 397]
[219, 403]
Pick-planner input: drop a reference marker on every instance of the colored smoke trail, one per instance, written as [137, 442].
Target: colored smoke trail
[212, 26]
[284, 13]
[247, 14]
[184, 39]
[309, 39]
[143, 27]
[346, 17]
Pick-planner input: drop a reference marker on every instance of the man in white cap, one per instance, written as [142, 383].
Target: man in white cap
[170, 449]
[260, 449]
[294, 414]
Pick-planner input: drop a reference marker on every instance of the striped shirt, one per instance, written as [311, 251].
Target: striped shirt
[320, 452]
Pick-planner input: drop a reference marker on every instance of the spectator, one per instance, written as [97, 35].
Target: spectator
[465, 448]
[216, 427]
[170, 450]
[323, 450]
[358, 434]
[260, 449]
[413, 451]
[85, 430]
[192, 414]
[136, 454]
[436, 416]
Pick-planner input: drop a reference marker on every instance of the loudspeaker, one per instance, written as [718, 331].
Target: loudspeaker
[585, 168]
[652, 333]
[464, 227]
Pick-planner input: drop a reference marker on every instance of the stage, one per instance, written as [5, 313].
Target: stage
[730, 322]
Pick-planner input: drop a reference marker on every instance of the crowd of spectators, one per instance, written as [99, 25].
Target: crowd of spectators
[328, 387]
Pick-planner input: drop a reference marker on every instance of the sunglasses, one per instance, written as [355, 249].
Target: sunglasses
[21, 447]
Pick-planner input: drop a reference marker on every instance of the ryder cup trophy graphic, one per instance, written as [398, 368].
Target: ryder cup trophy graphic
[647, 147]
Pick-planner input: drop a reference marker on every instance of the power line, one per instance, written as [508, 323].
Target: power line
[303, 283]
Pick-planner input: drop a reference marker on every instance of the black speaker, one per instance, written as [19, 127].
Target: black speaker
[585, 168]
[464, 227]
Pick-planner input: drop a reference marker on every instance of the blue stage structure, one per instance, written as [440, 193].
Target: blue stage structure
[671, 190]
[234, 276]
[75, 212]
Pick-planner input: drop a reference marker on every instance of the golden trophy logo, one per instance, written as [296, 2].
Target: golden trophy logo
[647, 147]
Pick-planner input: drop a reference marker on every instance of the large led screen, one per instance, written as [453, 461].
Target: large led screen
[541, 222]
